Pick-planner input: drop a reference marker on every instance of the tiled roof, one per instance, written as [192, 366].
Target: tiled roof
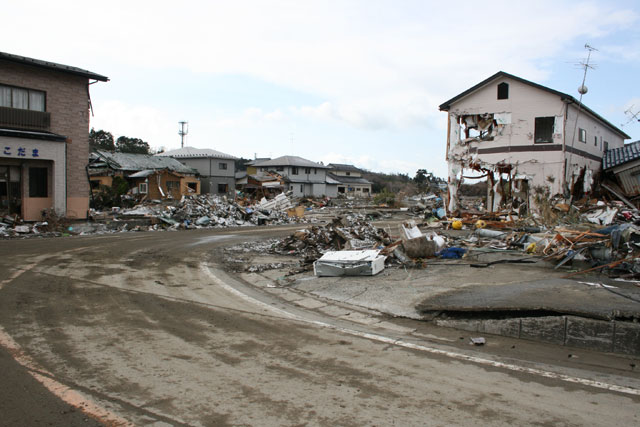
[343, 167]
[349, 179]
[622, 155]
[290, 161]
[192, 152]
[140, 162]
[52, 66]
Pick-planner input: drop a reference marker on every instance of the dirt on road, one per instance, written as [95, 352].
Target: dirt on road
[144, 327]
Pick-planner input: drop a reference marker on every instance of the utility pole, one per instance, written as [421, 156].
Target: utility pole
[183, 131]
[581, 90]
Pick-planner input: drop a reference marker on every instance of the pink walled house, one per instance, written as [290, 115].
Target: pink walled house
[44, 137]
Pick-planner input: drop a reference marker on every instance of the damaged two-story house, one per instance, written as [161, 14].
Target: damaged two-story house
[520, 136]
[302, 177]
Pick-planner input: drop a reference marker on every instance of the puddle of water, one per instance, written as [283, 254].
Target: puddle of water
[211, 239]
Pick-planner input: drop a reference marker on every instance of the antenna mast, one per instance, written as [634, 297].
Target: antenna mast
[183, 131]
[581, 90]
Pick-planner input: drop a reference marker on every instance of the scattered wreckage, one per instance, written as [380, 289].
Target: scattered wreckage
[189, 212]
[584, 236]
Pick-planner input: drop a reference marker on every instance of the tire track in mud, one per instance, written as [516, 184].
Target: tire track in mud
[66, 394]
[447, 353]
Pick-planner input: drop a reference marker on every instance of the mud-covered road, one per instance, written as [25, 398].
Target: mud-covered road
[144, 328]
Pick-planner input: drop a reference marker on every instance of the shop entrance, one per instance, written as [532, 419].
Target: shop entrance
[10, 190]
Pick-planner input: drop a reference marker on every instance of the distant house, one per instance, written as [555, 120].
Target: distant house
[301, 176]
[523, 135]
[157, 177]
[624, 164]
[217, 170]
[44, 137]
[351, 182]
[264, 184]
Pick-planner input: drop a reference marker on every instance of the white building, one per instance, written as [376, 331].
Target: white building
[351, 181]
[217, 170]
[523, 135]
[301, 176]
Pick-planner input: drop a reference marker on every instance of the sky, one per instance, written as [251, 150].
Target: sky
[345, 81]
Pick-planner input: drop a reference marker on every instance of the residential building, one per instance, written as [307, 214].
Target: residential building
[257, 185]
[351, 181]
[157, 177]
[301, 176]
[44, 137]
[623, 163]
[217, 170]
[523, 136]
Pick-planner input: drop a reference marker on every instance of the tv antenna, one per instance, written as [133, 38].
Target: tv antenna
[632, 116]
[183, 131]
[582, 90]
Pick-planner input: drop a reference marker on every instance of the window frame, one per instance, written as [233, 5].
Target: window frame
[502, 91]
[28, 98]
[543, 135]
[222, 166]
[582, 135]
[294, 170]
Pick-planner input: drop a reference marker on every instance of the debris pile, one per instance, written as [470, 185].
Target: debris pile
[207, 211]
[190, 212]
[349, 232]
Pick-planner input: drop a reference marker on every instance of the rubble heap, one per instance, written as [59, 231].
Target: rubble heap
[349, 232]
[190, 212]
[207, 211]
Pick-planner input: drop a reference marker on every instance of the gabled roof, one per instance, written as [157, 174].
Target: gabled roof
[139, 162]
[52, 66]
[349, 179]
[192, 152]
[290, 161]
[565, 97]
[621, 155]
[343, 167]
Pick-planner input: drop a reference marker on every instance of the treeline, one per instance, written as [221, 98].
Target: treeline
[103, 140]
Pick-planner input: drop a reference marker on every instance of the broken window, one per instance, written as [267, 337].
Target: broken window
[222, 188]
[582, 135]
[143, 188]
[606, 146]
[503, 91]
[173, 185]
[307, 171]
[193, 186]
[596, 140]
[478, 126]
[294, 170]
[222, 166]
[544, 129]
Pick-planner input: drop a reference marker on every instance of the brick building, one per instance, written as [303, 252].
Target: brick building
[44, 137]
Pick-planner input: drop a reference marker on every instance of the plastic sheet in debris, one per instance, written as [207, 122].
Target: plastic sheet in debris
[349, 263]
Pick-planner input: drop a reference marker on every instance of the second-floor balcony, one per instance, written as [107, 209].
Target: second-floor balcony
[16, 118]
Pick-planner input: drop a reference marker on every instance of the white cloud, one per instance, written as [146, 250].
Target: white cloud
[135, 121]
[377, 64]
[250, 117]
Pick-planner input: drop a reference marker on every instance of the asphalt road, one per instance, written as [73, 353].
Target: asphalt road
[143, 328]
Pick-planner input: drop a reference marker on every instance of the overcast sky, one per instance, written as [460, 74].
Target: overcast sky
[334, 81]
